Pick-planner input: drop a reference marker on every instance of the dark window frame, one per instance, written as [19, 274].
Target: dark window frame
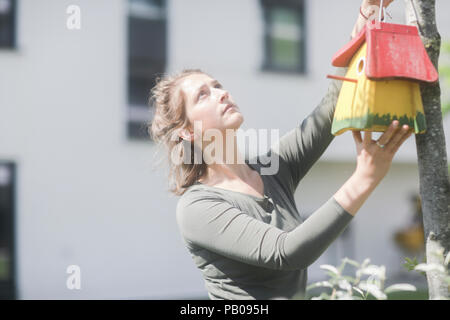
[300, 6]
[140, 113]
[8, 287]
[11, 21]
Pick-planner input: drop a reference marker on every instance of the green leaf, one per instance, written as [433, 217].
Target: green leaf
[332, 275]
[400, 287]
[359, 291]
[365, 263]
[351, 262]
[320, 284]
[373, 290]
[344, 295]
[342, 266]
[425, 267]
[349, 279]
[330, 268]
[373, 270]
[410, 263]
[447, 258]
[344, 285]
[323, 296]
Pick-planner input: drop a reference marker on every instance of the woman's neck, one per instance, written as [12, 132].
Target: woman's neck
[227, 165]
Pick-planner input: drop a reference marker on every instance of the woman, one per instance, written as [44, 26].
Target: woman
[242, 228]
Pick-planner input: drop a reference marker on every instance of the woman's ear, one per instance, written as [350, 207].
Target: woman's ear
[186, 135]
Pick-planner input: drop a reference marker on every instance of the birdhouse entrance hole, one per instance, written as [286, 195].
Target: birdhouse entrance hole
[361, 65]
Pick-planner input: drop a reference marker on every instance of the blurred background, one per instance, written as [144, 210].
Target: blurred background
[77, 178]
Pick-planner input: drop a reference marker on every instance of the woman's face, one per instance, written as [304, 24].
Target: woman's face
[206, 101]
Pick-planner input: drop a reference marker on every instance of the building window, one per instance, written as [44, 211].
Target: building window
[7, 23]
[7, 248]
[147, 55]
[284, 36]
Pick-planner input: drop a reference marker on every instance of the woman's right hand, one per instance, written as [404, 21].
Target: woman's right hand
[371, 7]
[373, 161]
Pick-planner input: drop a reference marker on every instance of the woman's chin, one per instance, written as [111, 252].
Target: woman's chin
[236, 123]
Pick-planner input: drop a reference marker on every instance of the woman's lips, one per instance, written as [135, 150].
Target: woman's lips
[229, 107]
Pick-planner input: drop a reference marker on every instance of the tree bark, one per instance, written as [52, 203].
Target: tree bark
[431, 151]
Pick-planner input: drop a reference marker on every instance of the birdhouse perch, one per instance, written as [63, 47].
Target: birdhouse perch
[386, 63]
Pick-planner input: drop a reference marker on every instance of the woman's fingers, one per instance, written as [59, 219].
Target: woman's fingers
[403, 139]
[368, 137]
[357, 136]
[392, 138]
[397, 138]
[387, 135]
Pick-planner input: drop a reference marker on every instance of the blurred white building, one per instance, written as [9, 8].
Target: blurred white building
[78, 185]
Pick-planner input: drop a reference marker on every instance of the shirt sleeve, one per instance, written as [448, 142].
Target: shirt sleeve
[301, 147]
[211, 222]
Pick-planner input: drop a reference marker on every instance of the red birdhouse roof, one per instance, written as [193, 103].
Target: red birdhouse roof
[343, 57]
[393, 51]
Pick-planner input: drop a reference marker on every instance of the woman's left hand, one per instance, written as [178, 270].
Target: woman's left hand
[371, 7]
[377, 2]
[370, 10]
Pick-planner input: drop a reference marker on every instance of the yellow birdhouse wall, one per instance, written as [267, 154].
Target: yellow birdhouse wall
[372, 105]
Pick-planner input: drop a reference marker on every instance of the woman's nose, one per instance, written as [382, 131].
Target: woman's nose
[224, 95]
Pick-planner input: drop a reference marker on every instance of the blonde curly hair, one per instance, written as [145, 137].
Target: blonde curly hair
[169, 118]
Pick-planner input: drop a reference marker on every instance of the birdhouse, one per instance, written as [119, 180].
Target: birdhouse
[386, 63]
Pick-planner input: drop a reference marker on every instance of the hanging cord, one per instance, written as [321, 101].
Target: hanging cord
[383, 12]
[415, 16]
[364, 16]
[380, 13]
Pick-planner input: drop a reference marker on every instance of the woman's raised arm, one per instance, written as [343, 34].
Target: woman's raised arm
[208, 221]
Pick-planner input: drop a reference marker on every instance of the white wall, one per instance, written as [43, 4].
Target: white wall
[87, 195]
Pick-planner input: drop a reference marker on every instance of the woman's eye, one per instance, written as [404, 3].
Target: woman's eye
[204, 92]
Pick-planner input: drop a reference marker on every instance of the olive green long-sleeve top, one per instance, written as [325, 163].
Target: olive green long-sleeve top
[249, 247]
